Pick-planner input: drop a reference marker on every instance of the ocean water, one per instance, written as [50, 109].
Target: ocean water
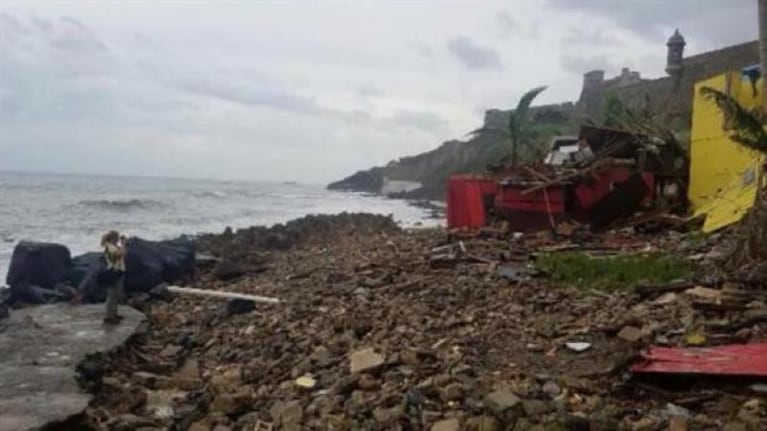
[76, 209]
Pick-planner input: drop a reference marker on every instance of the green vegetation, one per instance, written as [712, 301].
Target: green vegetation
[520, 132]
[613, 272]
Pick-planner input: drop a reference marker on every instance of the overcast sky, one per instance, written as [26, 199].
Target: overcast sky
[305, 91]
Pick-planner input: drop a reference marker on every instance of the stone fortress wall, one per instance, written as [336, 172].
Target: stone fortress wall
[669, 97]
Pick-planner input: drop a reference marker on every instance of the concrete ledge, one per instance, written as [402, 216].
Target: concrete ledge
[40, 348]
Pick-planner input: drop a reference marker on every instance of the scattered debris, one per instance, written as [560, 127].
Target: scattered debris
[738, 359]
[365, 360]
[578, 346]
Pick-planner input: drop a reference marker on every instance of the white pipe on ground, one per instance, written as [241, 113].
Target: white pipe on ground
[219, 294]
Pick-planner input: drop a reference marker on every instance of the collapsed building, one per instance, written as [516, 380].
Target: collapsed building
[606, 175]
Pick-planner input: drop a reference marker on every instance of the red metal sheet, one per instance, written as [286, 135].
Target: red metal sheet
[597, 186]
[465, 200]
[735, 359]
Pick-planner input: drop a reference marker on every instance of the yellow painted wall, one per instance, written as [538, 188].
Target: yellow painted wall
[723, 175]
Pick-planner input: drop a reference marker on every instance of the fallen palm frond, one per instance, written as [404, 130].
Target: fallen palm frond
[743, 126]
[749, 249]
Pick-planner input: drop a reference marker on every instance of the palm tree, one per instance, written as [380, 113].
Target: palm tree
[520, 124]
[519, 128]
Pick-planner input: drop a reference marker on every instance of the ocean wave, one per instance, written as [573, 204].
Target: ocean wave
[211, 194]
[121, 204]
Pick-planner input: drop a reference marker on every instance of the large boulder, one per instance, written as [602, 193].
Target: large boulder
[178, 257]
[35, 266]
[84, 276]
[150, 263]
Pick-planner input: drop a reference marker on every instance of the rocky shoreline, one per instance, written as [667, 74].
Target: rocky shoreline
[375, 333]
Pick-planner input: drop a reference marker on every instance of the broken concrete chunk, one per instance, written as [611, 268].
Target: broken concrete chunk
[704, 293]
[502, 400]
[666, 298]
[365, 360]
[482, 423]
[632, 334]
[447, 425]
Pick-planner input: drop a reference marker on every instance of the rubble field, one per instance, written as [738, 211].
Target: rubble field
[380, 328]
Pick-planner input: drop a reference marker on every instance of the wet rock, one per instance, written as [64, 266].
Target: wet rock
[447, 425]
[41, 349]
[365, 360]
[37, 264]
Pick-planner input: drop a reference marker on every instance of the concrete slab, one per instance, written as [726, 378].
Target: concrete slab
[39, 350]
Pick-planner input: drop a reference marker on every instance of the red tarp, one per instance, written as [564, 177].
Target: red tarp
[466, 200]
[735, 359]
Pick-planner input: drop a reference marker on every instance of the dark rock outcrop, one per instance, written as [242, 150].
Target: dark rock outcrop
[369, 181]
[35, 266]
[43, 272]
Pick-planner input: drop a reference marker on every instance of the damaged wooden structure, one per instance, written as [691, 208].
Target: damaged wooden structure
[612, 175]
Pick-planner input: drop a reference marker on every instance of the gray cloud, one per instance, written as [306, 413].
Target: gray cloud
[421, 120]
[75, 36]
[472, 55]
[368, 90]
[423, 50]
[587, 36]
[250, 95]
[710, 23]
[579, 64]
[506, 22]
